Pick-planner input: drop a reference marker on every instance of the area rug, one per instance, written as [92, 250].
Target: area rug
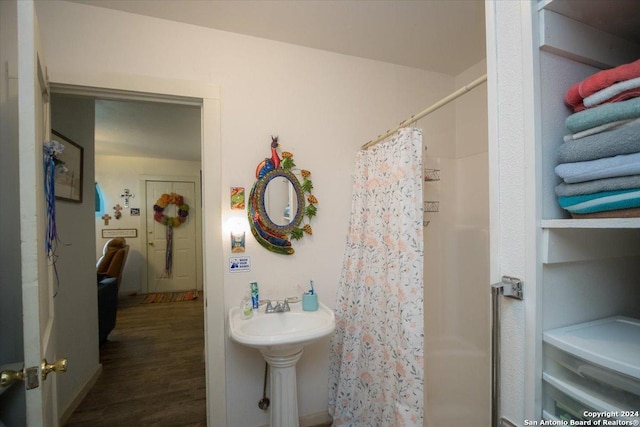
[170, 297]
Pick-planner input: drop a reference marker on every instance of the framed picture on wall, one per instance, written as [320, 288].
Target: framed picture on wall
[237, 197]
[68, 184]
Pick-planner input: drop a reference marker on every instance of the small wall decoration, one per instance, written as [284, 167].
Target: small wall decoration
[68, 182]
[135, 211]
[117, 209]
[110, 233]
[239, 264]
[237, 197]
[126, 195]
[237, 241]
[52, 166]
[106, 218]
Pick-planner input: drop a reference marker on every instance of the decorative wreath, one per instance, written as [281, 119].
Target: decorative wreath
[171, 199]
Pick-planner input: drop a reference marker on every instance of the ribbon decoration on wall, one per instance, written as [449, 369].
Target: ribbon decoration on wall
[170, 222]
[52, 166]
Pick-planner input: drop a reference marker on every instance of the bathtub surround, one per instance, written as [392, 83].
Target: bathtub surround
[376, 375]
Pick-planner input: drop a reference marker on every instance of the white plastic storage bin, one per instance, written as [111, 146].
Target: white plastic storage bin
[595, 366]
[558, 406]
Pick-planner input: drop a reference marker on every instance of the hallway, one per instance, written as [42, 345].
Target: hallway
[153, 368]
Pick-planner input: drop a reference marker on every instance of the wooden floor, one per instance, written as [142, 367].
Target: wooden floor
[153, 368]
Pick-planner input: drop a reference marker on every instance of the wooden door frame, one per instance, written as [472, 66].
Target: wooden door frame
[137, 87]
[197, 208]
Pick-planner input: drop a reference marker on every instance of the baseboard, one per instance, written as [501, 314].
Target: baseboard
[80, 396]
[313, 419]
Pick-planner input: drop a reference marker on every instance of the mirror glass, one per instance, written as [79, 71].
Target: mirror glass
[281, 201]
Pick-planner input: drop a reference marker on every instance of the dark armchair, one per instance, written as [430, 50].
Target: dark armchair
[109, 270]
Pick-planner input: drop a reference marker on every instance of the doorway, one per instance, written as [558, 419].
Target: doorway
[207, 97]
[142, 142]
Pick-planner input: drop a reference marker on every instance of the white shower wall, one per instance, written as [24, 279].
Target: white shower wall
[457, 317]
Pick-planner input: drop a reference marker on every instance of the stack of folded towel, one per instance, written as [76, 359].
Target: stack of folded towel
[599, 162]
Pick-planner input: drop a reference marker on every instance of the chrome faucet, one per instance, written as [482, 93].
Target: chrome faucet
[280, 307]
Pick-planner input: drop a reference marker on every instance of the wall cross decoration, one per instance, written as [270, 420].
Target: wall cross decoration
[126, 195]
[117, 208]
[106, 218]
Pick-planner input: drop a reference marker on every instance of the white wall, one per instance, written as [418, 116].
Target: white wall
[114, 174]
[76, 299]
[322, 105]
[472, 213]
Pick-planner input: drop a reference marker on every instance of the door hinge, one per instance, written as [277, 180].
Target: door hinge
[510, 287]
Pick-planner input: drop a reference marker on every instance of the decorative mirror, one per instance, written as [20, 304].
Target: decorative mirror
[279, 203]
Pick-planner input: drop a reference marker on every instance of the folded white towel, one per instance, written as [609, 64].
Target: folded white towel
[608, 167]
[611, 91]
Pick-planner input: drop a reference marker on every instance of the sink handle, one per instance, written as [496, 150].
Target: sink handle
[285, 306]
[269, 308]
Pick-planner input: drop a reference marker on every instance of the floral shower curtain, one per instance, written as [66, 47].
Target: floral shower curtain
[376, 375]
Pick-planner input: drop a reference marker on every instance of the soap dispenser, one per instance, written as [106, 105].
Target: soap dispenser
[246, 307]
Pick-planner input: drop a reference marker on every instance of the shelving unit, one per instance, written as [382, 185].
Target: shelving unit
[588, 268]
[431, 175]
[430, 206]
[591, 223]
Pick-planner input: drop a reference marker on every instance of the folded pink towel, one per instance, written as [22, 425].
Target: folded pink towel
[599, 81]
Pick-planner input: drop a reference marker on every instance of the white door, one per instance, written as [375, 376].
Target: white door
[36, 272]
[183, 266]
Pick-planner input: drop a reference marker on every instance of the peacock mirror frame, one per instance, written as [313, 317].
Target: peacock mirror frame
[276, 235]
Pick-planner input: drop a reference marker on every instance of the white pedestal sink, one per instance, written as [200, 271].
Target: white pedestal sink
[281, 338]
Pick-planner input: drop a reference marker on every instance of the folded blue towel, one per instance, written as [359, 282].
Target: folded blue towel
[608, 167]
[598, 185]
[598, 202]
[605, 113]
[622, 140]
[595, 130]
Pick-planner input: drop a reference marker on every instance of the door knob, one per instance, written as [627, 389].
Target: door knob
[46, 368]
[10, 377]
[150, 243]
[28, 375]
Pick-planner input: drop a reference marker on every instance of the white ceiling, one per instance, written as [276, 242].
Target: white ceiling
[445, 36]
[147, 129]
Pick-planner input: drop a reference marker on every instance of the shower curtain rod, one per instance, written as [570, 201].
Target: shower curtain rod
[444, 101]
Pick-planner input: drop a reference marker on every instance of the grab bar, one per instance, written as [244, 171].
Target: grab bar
[509, 287]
